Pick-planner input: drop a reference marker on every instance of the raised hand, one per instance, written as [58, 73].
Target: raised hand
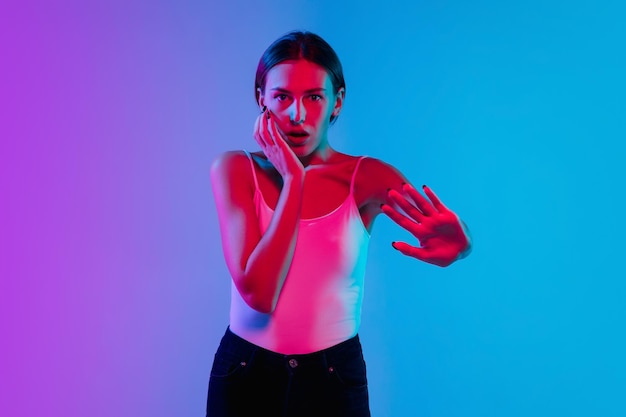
[269, 137]
[442, 235]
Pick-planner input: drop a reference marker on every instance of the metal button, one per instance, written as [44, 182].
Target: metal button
[293, 363]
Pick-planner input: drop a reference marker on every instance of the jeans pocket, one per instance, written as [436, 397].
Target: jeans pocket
[351, 372]
[227, 364]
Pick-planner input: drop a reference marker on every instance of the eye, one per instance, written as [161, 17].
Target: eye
[315, 97]
[281, 97]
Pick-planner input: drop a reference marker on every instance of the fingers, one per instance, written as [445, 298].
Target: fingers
[401, 219]
[407, 207]
[259, 131]
[269, 133]
[433, 197]
[274, 131]
[265, 129]
[420, 201]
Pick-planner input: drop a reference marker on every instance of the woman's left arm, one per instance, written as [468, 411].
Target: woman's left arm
[443, 237]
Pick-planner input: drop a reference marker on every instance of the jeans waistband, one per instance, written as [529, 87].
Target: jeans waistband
[338, 352]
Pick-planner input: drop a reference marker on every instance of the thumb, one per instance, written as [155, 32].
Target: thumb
[408, 250]
[433, 257]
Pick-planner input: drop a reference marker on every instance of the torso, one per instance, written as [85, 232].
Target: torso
[320, 300]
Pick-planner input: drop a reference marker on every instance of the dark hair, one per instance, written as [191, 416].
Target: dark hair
[300, 45]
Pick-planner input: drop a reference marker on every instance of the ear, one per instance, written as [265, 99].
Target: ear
[339, 97]
[260, 98]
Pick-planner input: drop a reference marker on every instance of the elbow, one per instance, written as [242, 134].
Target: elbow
[261, 305]
[256, 300]
[258, 293]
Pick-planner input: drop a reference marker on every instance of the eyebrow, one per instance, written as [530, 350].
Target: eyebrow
[311, 90]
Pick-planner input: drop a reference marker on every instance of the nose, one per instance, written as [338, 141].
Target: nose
[297, 112]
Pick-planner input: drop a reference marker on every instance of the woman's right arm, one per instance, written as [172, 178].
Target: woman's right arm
[258, 262]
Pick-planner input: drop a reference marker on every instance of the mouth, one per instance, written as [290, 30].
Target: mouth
[297, 138]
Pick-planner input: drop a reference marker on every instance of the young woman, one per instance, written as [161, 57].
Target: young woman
[295, 220]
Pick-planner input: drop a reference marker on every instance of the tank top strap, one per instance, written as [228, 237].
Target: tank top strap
[356, 168]
[256, 183]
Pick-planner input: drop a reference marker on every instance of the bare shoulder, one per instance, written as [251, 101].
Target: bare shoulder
[374, 178]
[375, 165]
[379, 172]
[232, 183]
[230, 162]
[231, 176]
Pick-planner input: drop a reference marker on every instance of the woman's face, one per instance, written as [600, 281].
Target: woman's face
[300, 96]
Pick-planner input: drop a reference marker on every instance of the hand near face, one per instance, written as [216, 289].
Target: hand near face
[440, 232]
[273, 145]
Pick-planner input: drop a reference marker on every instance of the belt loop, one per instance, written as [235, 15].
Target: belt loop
[329, 369]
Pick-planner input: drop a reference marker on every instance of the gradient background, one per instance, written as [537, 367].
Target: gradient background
[114, 292]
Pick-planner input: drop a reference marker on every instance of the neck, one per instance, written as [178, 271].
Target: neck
[319, 156]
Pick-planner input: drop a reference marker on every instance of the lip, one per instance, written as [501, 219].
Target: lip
[297, 138]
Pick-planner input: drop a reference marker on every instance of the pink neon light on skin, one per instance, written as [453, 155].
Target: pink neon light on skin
[298, 102]
[301, 91]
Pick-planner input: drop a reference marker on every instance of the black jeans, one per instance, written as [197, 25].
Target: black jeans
[247, 380]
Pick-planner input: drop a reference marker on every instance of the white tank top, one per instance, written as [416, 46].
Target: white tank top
[319, 304]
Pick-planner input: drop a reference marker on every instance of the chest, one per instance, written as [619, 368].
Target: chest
[324, 190]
